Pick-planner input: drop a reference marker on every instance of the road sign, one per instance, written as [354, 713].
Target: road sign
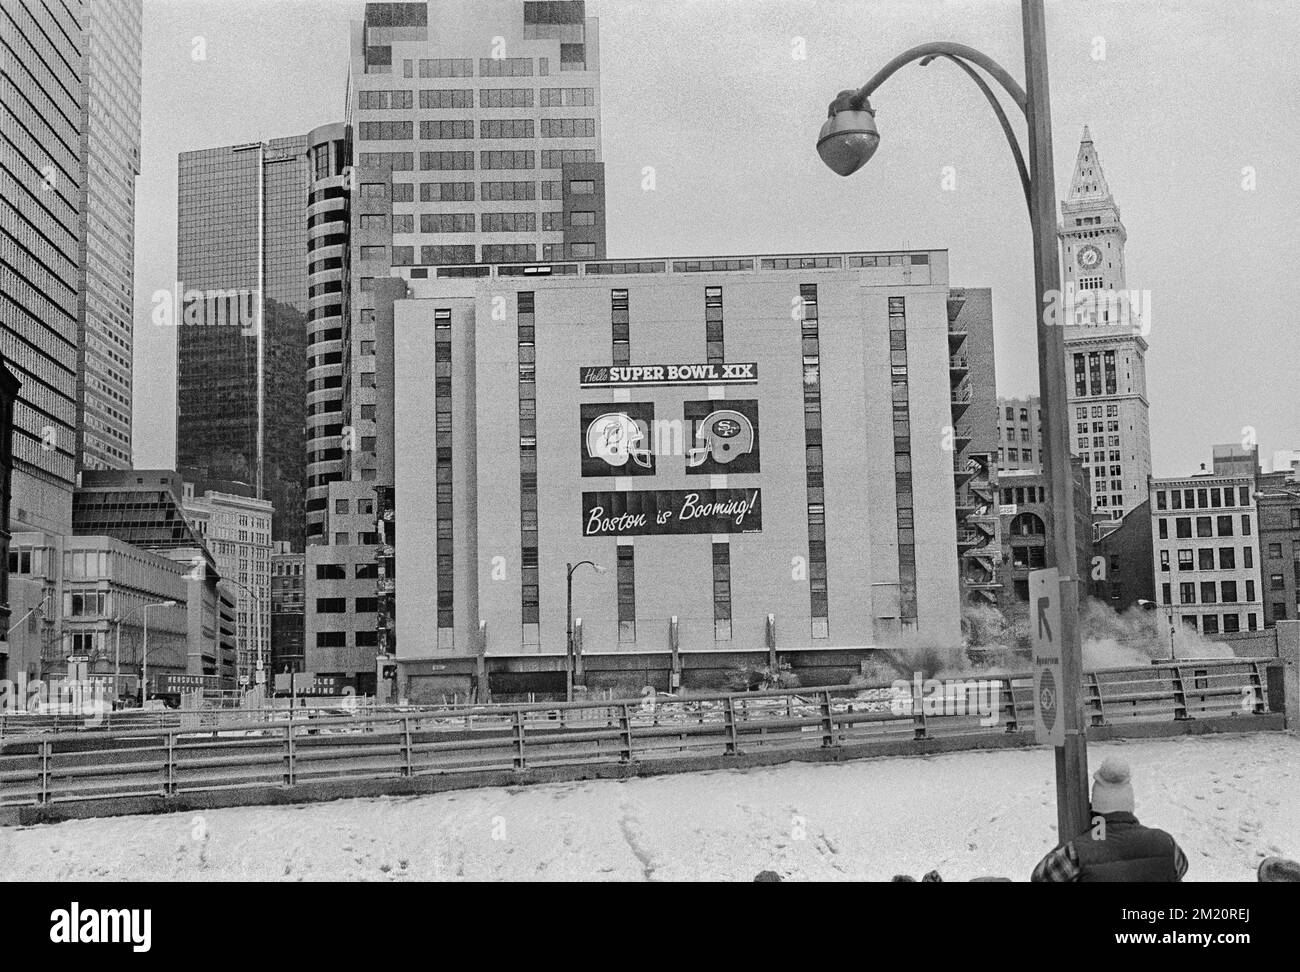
[1045, 637]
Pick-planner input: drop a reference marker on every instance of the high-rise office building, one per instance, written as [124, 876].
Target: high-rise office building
[42, 59]
[242, 346]
[328, 213]
[473, 132]
[487, 116]
[110, 161]
[237, 531]
[1105, 351]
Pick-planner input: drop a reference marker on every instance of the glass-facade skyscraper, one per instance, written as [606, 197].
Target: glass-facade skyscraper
[42, 61]
[241, 348]
[110, 161]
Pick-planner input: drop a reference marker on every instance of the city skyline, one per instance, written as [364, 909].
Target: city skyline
[925, 128]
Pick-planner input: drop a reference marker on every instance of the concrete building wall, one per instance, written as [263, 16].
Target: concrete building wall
[674, 575]
[1021, 424]
[1278, 501]
[1127, 569]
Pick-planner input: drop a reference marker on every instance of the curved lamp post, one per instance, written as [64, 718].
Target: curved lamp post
[848, 140]
[144, 655]
[572, 661]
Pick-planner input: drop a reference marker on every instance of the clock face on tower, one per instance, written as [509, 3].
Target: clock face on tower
[1089, 257]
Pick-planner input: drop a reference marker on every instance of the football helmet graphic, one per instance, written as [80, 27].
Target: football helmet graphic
[617, 437]
[725, 435]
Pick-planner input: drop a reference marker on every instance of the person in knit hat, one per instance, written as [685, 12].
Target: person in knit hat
[1116, 847]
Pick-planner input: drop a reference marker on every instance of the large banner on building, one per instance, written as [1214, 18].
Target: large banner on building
[640, 376]
[671, 511]
[618, 439]
[722, 437]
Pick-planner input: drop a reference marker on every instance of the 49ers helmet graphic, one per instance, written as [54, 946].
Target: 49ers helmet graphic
[616, 437]
[725, 435]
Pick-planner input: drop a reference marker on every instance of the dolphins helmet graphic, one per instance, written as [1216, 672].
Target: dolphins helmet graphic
[725, 435]
[616, 437]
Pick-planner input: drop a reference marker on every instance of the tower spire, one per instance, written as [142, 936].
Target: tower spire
[1089, 182]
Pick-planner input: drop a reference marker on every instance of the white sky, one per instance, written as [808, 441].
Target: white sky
[709, 94]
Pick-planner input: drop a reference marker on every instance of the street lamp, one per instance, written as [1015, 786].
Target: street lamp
[117, 647]
[1151, 606]
[571, 657]
[144, 655]
[257, 626]
[849, 139]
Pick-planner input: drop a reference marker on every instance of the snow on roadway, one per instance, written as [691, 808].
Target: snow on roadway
[1229, 800]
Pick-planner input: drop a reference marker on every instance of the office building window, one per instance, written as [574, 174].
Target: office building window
[447, 191]
[447, 98]
[442, 406]
[818, 592]
[722, 592]
[371, 131]
[505, 67]
[506, 128]
[505, 98]
[446, 67]
[568, 97]
[495, 191]
[620, 323]
[568, 128]
[626, 593]
[525, 332]
[449, 128]
[508, 222]
[510, 159]
[713, 342]
[509, 253]
[446, 161]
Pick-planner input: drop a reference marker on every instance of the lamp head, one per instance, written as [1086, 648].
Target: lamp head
[599, 569]
[849, 138]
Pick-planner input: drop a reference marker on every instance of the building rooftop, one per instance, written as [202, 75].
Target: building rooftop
[751, 263]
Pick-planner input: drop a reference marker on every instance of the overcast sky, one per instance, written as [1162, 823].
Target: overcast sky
[1180, 97]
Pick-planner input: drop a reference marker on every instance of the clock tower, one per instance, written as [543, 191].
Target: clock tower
[1105, 350]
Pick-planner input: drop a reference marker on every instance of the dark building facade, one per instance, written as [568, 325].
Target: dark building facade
[1125, 573]
[8, 395]
[287, 604]
[1278, 503]
[243, 304]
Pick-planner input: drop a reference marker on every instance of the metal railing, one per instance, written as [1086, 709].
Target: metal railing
[170, 760]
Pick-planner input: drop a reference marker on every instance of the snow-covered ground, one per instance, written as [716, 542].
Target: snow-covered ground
[1229, 800]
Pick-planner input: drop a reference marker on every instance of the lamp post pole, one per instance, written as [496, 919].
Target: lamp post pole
[571, 661]
[144, 654]
[848, 140]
